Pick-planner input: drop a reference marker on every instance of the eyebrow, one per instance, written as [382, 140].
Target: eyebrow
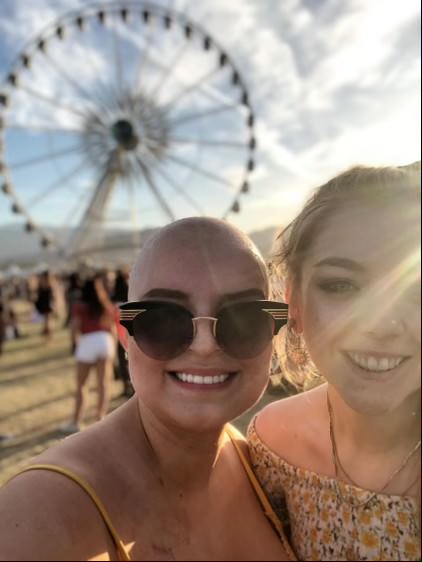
[180, 295]
[248, 293]
[166, 294]
[340, 262]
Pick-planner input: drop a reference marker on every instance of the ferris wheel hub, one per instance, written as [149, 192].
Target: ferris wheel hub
[124, 134]
[134, 125]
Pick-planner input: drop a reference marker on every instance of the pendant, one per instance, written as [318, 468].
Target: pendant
[351, 554]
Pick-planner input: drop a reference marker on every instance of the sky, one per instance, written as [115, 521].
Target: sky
[332, 84]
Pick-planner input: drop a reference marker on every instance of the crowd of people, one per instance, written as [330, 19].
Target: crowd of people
[86, 305]
[330, 473]
[9, 328]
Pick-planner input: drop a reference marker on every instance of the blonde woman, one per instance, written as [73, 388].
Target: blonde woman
[341, 462]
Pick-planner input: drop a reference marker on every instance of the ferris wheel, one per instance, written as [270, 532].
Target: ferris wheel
[119, 117]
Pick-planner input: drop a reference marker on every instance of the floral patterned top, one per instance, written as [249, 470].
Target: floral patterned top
[330, 520]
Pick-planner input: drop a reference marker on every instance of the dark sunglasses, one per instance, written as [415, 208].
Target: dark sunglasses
[164, 330]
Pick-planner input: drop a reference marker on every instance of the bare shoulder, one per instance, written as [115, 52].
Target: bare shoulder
[233, 441]
[46, 515]
[41, 514]
[295, 428]
[234, 435]
[288, 413]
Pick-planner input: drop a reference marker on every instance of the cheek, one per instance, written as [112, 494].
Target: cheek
[142, 369]
[321, 323]
[312, 316]
[258, 368]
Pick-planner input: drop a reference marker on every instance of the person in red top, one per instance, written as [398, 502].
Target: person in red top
[3, 325]
[94, 327]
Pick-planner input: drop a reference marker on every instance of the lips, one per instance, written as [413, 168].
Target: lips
[377, 363]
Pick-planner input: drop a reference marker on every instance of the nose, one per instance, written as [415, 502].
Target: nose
[204, 341]
[385, 324]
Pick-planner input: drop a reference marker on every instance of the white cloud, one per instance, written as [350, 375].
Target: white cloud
[333, 83]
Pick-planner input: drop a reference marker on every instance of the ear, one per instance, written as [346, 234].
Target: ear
[295, 308]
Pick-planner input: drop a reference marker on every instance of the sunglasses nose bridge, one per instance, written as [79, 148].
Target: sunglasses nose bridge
[211, 318]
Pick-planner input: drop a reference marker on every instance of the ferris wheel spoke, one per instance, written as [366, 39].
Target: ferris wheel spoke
[77, 87]
[44, 129]
[136, 233]
[202, 142]
[170, 70]
[118, 67]
[96, 207]
[156, 192]
[213, 94]
[145, 55]
[153, 61]
[206, 173]
[52, 101]
[58, 184]
[102, 87]
[45, 157]
[159, 169]
[198, 85]
[200, 114]
[131, 189]
[74, 210]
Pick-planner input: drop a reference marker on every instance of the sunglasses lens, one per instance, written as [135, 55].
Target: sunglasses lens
[164, 331]
[244, 330]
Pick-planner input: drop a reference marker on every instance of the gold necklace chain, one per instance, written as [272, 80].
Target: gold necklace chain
[337, 462]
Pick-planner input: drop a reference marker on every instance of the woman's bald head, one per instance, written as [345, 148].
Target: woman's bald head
[204, 239]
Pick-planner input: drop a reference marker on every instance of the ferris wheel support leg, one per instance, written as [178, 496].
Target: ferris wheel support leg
[95, 211]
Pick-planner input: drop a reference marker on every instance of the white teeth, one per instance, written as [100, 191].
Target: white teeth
[196, 379]
[384, 364]
[370, 363]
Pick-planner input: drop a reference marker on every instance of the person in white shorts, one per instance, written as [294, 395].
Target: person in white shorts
[94, 347]
[93, 323]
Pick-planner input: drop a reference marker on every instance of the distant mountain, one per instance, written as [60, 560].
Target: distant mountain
[17, 245]
[22, 248]
[264, 239]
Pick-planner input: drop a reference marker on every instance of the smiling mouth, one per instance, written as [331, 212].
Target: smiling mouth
[201, 379]
[379, 364]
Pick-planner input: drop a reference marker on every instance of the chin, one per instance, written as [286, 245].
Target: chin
[199, 424]
[209, 419]
[372, 404]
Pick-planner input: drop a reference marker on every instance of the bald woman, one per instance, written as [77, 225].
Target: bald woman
[165, 477]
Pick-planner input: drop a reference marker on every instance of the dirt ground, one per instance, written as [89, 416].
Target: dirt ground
[36, 393]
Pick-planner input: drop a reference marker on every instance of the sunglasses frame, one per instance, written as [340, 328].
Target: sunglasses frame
[130, 310]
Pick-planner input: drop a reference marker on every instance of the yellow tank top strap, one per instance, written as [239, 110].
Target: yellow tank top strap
[121, 549]
[268, 510]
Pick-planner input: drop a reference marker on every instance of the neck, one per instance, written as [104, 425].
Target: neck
[372, 433]
[183, 459]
